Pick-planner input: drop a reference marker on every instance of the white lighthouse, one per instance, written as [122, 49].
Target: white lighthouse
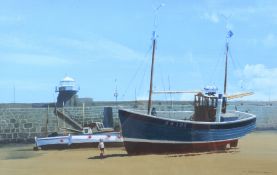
[67, 90]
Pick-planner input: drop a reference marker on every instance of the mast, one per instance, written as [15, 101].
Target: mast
[152, 74]
[226, 67]
[153, 59]
[224, 101]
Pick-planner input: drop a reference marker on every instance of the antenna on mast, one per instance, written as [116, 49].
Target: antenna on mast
[13, 93]
[228, 26]
[115, 92]
[156, 14]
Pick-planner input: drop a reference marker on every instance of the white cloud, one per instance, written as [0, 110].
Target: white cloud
[240, 12]
[270, 40]
[261, 80]
[19, 43]
[118, 51]
[26, 85]
[10, 19]
[26, 90]
[101, 48]
[216, 17]
[252, 41]
[28, 51]
[213, 17]
[33, 59]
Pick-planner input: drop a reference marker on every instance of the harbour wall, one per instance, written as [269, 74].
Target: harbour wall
[24, 124]
[20, 123]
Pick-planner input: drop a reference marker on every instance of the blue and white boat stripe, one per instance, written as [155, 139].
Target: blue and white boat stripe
[175, 142]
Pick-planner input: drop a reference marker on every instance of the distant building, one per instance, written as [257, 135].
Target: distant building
[87, 101]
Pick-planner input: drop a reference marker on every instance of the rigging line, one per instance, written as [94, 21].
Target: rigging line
[169, 88]
[163, 84]
[135, 74]
[162, 79]
[218, 62]
[233, 60]
[143, 76]
[146, 67]
[195, 65]
[214, 72]
[233, 65]
[237, 67]
[220, 71]
[171, 101]
[236, 62]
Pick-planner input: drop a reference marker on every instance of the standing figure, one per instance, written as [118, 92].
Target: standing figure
[101, 146]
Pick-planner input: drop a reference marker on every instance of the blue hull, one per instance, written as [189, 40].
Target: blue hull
[149, 134]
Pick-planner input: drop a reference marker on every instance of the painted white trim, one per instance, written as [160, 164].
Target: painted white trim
[174, 142]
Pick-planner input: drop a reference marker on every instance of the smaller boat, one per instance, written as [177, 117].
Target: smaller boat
[111, 139]
[89, 137]
[57, 142]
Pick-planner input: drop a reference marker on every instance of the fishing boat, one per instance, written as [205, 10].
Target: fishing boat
[211, 126]
[88, 137]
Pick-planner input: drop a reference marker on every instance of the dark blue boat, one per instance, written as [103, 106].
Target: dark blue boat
[211, 127]
[144, 133]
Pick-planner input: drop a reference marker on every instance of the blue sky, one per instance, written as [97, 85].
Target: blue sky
[104, 44]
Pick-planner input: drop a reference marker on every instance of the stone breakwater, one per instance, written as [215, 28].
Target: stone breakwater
[19, 124]
[22, 125]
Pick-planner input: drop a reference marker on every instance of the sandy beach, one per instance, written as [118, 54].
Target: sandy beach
[256, 154]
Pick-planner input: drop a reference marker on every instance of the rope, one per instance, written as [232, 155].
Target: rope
[135, 74]
[236, 64]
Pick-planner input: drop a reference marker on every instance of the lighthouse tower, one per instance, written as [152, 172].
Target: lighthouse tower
[67, 92]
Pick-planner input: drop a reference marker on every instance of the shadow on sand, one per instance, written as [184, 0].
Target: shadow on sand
[233, 150]
[108, 156]
[21, 153]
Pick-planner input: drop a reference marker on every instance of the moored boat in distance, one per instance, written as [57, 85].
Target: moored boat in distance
[211, 127]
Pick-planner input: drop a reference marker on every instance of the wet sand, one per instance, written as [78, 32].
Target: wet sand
[256, 154]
